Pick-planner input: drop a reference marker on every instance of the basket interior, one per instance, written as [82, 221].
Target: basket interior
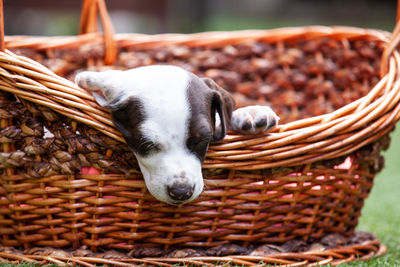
[298, 78]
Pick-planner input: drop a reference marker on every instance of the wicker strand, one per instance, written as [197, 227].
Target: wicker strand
[393, 45]
[88, 24]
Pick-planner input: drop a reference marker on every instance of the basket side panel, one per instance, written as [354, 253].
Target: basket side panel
[48, 201]
[7, 167]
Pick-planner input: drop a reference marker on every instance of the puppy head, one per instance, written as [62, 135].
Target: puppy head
[168, 118]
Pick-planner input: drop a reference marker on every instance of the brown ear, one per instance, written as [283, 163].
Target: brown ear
[222, 103]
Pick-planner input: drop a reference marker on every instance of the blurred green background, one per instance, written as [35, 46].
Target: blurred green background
[49, 17]
[381, 214]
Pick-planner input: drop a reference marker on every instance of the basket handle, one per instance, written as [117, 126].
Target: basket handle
[393, 44]
[88, 24]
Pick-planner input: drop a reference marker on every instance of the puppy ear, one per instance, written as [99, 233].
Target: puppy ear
[106, 82]
[222, 103]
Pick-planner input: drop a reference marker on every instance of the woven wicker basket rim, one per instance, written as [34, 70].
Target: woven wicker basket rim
[304, 141]
[211, 38]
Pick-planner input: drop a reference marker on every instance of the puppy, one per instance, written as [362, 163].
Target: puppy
[168, 117]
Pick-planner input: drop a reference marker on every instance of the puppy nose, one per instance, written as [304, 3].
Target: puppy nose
[180, 192]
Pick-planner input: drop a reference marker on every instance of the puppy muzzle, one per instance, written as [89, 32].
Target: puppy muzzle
[180, 191]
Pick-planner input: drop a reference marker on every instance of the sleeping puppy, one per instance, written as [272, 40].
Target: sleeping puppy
[168, 117]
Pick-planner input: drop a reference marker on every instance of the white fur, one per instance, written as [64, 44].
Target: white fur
[254, 114]
[163, 92]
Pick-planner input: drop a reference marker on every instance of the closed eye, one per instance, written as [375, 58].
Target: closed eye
[147, 148]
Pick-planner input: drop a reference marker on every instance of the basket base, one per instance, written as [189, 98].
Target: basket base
[363, 250]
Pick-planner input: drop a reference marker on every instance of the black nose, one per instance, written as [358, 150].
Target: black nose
[180, 192]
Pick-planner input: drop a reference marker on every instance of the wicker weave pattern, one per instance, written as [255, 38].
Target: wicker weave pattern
[304, 180]
[43, 207]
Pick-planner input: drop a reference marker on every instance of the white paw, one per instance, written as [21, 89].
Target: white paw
[254, 119]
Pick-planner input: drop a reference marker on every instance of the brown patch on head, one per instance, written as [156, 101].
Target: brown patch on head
[222, 104]
[200, 126]
[127, 117]
[206, 100]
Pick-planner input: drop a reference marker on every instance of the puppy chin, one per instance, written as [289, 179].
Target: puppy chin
[158, 190]
[157, 183]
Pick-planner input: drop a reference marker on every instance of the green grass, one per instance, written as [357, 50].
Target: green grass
[381, 213]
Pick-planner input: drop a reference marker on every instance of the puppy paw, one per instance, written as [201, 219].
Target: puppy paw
[254, 119]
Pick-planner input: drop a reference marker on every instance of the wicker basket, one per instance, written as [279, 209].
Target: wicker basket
[305, 180]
